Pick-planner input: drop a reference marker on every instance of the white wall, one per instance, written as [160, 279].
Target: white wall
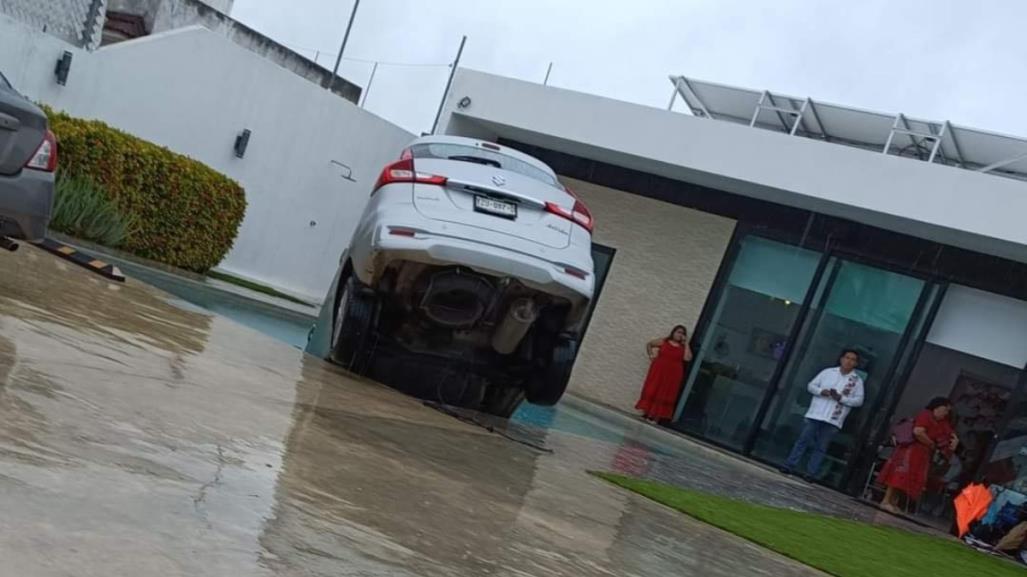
[193, 91]
[982, 324]
[960, 207]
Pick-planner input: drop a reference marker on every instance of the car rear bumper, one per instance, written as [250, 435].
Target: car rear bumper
[26, 204]
[433, 248]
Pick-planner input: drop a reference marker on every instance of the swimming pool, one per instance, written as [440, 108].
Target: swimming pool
[285, 325]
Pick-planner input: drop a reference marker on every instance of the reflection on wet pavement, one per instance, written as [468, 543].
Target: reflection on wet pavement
[140, 439]
[630, 447]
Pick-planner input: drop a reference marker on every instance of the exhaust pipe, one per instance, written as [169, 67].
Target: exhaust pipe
[519, 318]
[8, 244]
[456, 300]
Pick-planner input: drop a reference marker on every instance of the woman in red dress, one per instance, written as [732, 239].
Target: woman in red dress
[663, 383]
[906, 470]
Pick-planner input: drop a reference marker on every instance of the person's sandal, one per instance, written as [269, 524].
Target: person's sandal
[891, 508]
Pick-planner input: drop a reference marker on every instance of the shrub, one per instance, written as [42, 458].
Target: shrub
[84, 210]
[185, 214]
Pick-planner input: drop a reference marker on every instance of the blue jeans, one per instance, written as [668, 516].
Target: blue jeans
[816, 435]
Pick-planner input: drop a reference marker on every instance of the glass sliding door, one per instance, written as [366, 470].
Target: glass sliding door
[857, 306]
[1006, 465]
[740, 352]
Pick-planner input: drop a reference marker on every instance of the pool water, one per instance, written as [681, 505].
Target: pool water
[282, 324]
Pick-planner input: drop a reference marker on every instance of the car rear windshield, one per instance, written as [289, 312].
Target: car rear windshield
[466, 153]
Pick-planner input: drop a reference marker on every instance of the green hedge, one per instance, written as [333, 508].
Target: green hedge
[185, 213]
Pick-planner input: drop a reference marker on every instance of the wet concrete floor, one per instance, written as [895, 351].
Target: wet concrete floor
[139, 438]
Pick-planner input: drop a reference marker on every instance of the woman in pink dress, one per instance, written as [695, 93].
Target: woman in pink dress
[666, 371]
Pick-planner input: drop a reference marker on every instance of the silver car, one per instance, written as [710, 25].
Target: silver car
[28, 161]
[467, 280]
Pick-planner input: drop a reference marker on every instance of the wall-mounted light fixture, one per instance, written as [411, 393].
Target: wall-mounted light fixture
[242, 141]
[63, 68]
[465, 102]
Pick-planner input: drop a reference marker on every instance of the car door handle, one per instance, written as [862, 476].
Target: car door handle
[8, 122]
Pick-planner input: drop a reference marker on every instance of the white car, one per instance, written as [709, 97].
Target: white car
[468, 278]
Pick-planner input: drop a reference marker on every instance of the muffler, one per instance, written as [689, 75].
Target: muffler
[510, 332]
[456, 300]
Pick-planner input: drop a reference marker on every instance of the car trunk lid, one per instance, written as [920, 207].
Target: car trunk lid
[22, 129]
[493, 199]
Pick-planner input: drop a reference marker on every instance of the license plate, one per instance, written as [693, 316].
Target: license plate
[495, 207]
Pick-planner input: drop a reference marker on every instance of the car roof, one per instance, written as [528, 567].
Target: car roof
[492, 146]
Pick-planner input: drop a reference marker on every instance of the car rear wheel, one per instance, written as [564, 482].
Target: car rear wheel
[354, 318]
[547, 386]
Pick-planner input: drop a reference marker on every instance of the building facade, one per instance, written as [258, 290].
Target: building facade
[784, 231]
[130, 19]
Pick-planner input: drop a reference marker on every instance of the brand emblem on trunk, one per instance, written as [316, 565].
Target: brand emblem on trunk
[498, 180]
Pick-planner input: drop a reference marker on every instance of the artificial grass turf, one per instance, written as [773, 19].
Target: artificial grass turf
[253, 286]
[836, 546]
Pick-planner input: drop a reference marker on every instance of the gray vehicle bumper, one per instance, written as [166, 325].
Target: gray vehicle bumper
[26, 203]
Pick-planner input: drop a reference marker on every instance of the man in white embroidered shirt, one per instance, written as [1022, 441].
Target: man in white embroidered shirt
[836, 391]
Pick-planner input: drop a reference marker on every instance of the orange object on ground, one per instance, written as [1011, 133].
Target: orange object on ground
[971, 505]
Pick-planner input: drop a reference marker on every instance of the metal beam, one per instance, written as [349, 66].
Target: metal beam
[800, 120]
[913, 134]
[367, 89]
[891, 133]
[955, 144]
[682, 86]
[759, 106]
[449, 84]
[342, 49]
[1002, 163]
[937, 142]
[674, 95]
[778, 110]
[908, 130]
[816, 116]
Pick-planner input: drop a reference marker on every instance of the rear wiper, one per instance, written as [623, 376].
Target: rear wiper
[477, 160]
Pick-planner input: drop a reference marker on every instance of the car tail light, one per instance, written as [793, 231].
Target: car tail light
[45, 158]
[403, 171]
[579, 214]
[402, 231]
[575, 272]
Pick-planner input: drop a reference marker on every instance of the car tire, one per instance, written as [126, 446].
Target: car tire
[501, 401]
[547, 386]
[352, 327]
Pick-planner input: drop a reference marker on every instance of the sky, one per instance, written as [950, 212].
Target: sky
[934, 59]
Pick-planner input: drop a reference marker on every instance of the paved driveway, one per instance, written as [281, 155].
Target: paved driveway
[140, 438]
